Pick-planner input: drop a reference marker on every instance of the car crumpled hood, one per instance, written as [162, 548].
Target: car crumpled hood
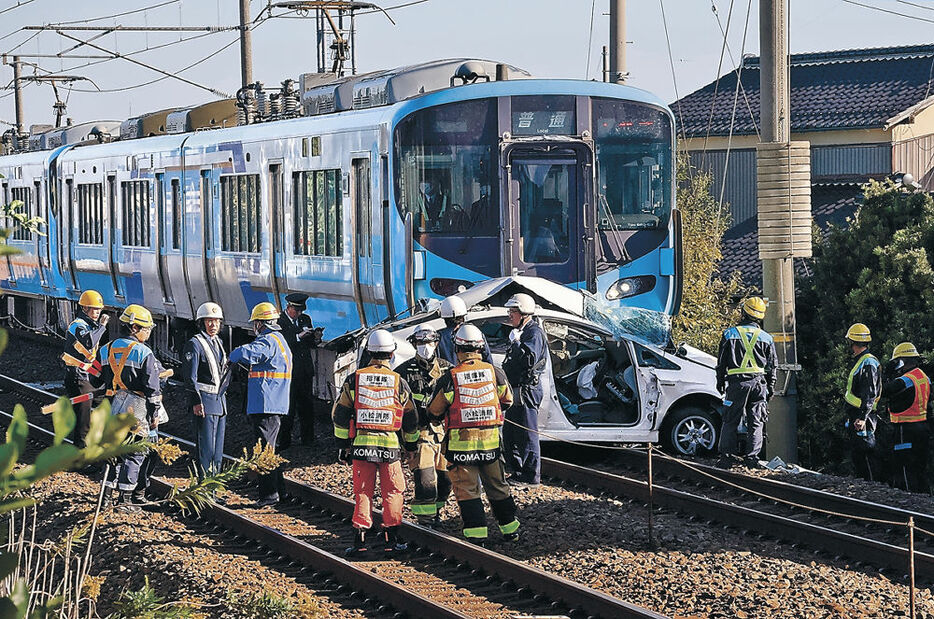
[548, 294]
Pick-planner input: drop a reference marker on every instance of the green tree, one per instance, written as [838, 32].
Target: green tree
[876, 270]
[708, 304]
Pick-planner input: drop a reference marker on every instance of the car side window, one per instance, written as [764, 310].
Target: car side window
[650, 359]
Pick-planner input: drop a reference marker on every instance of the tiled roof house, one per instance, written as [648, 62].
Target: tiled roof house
[867, 113]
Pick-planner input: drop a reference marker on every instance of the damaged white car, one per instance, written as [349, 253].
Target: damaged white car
[612, 377]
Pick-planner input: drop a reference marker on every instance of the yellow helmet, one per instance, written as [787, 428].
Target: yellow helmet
[755, 307]
[137, 315]
[91, 299]
[859, 333]
[264, 311]
[905, 349]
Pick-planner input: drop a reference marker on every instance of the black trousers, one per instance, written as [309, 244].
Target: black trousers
[301, 406]
[746, 396]
[909, 453]
[266, 430]
[75, 387]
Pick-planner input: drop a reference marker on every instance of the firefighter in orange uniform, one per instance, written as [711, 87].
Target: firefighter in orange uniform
[376, 406]
[908, 396]
[471, 398]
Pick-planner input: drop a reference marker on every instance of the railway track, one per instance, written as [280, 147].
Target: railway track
[440, 576]
[816, 519]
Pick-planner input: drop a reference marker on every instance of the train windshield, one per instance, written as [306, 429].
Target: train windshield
[634, 165]
[446, 180]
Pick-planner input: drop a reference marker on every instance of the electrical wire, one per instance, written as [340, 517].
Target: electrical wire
[729, 51]
[593, 9]
[915, 4]
[716, 86]
[674, 77]
[19, 45]
[18, 4]
[889, 11]
[90, 19]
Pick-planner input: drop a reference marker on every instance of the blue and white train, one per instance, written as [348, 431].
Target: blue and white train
[392, 187]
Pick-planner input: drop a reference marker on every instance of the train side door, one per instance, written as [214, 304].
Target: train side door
[368, 238]
[276, 227]
[42, 240]
[112, 237]
[162, 244]
[68, 232]
[549, 228]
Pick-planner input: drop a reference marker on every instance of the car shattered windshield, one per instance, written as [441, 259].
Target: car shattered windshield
[653, 327]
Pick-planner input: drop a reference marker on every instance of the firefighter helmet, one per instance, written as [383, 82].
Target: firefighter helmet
[424, 334]
[468, 337]
[522, 302]
[380, 340]
[264, 311]
[137, 315]
[91, 299]
[453, 307]
[210, 310]
[858, 333]
[905, 349]
[754, 307]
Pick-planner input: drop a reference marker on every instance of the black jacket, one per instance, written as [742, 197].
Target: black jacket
[303, 368]
[733, 348]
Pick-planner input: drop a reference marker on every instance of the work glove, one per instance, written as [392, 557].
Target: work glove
[343, 455]
[514, 335]
[721, 388]
[104, 319]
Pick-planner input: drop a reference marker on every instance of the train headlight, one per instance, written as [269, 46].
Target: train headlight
[630, 286]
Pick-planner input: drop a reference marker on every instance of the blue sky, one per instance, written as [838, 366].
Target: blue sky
[548, 37]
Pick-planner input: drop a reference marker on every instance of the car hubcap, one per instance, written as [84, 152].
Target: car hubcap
[692, 434]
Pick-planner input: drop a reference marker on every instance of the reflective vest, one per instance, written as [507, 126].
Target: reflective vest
[79, 356]
[748, 336]
[377, 405]
[210, 355]
[849, 396]
[919, 408]
[474, 400]
[117, 365]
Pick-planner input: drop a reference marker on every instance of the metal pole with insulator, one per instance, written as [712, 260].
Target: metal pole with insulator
[18, 100]
[783, 205]
[246, 45]
[618, 72]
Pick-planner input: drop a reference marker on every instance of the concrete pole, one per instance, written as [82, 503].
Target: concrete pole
[18, 98]
[246, 45]
[618, 72]
[778, 275]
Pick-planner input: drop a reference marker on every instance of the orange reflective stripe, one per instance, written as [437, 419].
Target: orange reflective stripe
[282, 347]
[88, 354]
[118, 370]
[270, 375]
[918, 409]
[75, 362]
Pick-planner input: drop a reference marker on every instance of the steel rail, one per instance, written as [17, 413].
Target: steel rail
[829, 540]
[574, 595]
[781, 490]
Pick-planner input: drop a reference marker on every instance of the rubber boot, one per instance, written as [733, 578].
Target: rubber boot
[359, 544]
[391, 541]
[125, 503]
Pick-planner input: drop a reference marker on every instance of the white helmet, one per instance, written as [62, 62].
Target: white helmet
[453, 307]
[381, 340]
[424, 333]
[522, 302]
[468, 336]
[210, 310]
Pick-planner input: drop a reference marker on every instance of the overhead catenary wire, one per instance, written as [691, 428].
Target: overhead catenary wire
[18, 4]
[115, 15]
[716, 86]
[593, 9]
[889, 11]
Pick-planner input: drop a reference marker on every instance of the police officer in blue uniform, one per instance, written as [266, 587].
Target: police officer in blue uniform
[454, 312]
[206, 375]
[130, 370]
[268, 384]
[302, 337]
[525, 361]
[81, 343]
[746, 364]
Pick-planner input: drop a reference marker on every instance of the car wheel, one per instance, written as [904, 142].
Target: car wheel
[691, 431]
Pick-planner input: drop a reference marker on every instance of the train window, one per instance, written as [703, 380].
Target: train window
[241, 211]
[137, 198]
[91, 213]
[445, 177]
[317, 213]
[176, 214]
[24, 195]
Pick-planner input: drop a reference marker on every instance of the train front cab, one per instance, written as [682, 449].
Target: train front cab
[570, 181]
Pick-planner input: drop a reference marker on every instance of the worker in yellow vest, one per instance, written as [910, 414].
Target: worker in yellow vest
[746, 364]
[863, 390]
[908, 397]
[85, 336]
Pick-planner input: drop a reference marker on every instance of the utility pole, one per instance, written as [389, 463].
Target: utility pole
[784, 219]
[18, 99]
[246, 45]
[618, 71]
